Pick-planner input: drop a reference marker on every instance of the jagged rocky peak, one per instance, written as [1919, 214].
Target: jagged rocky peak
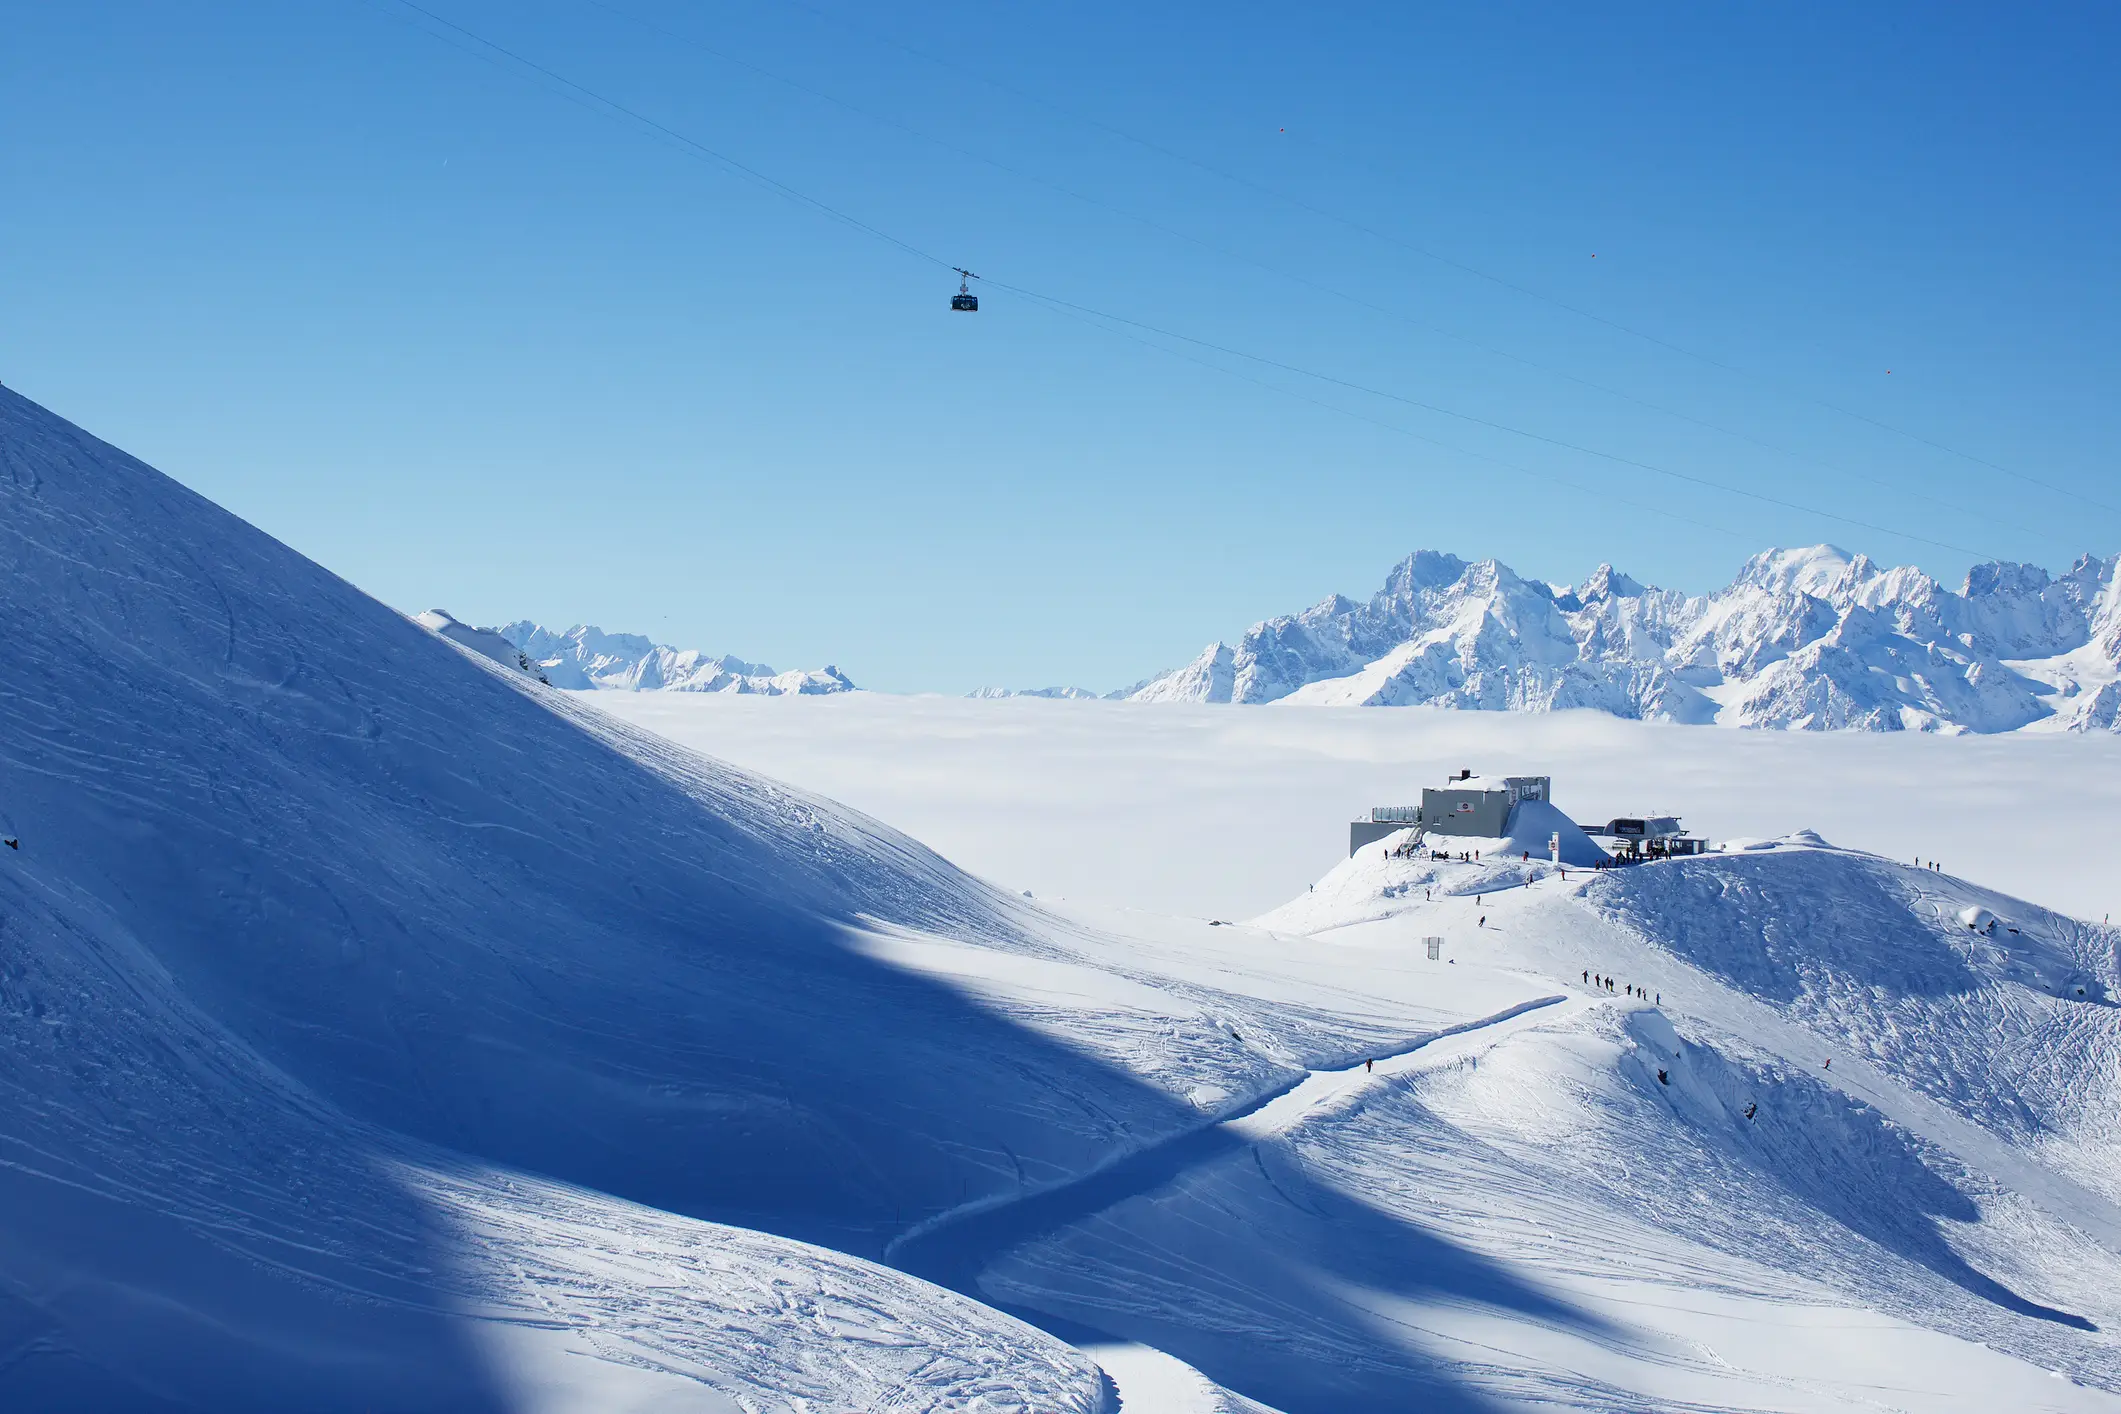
[1608, 583]
[1811, 638]
[1424, 569]
[1999, 579]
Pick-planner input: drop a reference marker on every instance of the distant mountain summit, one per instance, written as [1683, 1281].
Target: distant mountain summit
[587, 657]
[1807, 639]
[1065, 694]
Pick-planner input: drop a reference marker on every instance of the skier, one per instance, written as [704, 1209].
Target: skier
[11, 842]
[1587, 977]
[1368, 1066]
[1829, 1064]
[1750, 1108]
[1661, 1080]
[1483, 920]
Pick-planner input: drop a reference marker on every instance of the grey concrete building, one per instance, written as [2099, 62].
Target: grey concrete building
[1479, 805]
[1474, 806]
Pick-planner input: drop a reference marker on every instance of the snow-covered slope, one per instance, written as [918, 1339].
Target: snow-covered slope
[587, 657]
[384, 1029]
[305, 966]
[1655, 1194]
[1810, 639]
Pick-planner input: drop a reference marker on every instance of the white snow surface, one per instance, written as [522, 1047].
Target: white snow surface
[1810, 639]
[1221, 812]
[384, 1029]
[587, 657]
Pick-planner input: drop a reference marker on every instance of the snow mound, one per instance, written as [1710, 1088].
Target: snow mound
[1534, 828]
[483, 641]
[1380, 881]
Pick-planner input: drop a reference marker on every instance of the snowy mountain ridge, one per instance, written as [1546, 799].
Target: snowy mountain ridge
[1803, 639]
[587, 657]
[1058, 694]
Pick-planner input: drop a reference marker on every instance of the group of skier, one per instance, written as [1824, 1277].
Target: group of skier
[1606, 984]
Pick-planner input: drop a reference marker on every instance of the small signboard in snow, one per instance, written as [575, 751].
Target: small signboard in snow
[1435, 948]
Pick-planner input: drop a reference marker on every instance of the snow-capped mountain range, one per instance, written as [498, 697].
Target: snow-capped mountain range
[587, 657]
[1062, 694]
[1808, 639]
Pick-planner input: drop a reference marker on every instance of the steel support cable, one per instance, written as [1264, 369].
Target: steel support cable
[751, 173]
[1983, 516]
[1439, 257]
[855, 223]
[1478, 421]
[1669, 514]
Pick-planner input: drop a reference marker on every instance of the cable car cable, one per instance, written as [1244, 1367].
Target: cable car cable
[695, 145]
[1437, 256]
[1986, 517]
[1490, 423]
[827, 209]
[1548, 476]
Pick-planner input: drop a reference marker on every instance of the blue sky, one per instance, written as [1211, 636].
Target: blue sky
[448, 329]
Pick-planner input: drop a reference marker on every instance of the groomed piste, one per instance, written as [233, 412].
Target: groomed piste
[386, 1030]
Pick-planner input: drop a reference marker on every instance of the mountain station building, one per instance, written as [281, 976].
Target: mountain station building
[1477, 807]
[1646, 837]
[1480, 807]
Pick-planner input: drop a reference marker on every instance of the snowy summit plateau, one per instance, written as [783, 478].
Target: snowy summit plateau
[1812, 639]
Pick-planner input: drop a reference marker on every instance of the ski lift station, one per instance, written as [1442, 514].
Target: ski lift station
[1506, 807]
